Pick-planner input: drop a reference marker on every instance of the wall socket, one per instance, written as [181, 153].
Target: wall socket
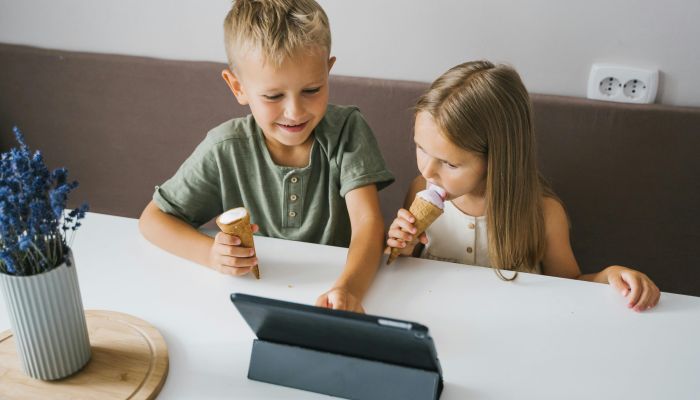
[622, 84]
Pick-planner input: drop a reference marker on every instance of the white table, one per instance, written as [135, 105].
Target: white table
[538, 337]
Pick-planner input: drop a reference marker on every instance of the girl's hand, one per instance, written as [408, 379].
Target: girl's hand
[228, 257]
[339, 298]
[401, 232]
[641, 293]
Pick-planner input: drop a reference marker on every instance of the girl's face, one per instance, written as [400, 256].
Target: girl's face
[441, 162]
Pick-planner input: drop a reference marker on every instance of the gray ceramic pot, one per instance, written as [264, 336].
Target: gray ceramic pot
[48, 321]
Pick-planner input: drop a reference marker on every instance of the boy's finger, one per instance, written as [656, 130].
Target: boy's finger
[241, 271]
[237, 251]
[338, 303]
[224, 269]
[225, 238]
[323, 301]
[239, 262]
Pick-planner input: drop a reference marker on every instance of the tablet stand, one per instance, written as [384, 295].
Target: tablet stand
[339, 375]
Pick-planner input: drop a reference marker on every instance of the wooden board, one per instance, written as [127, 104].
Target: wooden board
[129, 361]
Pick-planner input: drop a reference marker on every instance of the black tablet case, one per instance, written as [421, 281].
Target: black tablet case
[339, 353]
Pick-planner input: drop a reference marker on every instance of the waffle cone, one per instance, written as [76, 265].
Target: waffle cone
[241, 228]
[425, 213]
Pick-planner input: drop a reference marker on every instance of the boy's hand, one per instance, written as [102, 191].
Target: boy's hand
[339, 298]
[640, 291]
[401, 232]
[228, 257]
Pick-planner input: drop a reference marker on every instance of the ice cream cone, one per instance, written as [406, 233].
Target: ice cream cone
[425, 213]
[236, 222]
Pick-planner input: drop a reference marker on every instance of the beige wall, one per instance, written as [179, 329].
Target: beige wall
[552, 43]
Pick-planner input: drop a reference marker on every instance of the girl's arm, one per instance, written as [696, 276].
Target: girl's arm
[364, 253]
[559, 261]
[175, 236]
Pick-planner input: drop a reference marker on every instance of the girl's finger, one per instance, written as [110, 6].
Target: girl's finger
[406, 226]
[400, 234]
[394, 243]
[657, 295]
[635, 289]
[616, 282]
[645, 297]
[423, 238]
[406, 215]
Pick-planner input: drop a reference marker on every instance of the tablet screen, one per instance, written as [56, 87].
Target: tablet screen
[358, 335]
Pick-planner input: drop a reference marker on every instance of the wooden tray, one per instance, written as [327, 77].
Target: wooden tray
[129, 361]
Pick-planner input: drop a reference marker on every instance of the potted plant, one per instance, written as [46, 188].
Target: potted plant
[37, 271]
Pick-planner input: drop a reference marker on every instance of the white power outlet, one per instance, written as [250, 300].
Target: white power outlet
[622, 84]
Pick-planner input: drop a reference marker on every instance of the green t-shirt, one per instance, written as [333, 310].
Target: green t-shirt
[233, 168]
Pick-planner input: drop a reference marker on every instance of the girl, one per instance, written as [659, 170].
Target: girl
[474, 138]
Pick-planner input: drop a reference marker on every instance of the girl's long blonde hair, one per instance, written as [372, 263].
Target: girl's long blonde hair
[485, 108]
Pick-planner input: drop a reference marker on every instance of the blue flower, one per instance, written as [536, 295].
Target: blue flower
[25, 243]
[33, 218]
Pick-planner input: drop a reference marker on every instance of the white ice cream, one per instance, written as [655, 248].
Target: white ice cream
[433, 194]
[233, 215]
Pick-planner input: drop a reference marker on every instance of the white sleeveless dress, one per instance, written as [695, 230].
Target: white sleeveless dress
[459, 238]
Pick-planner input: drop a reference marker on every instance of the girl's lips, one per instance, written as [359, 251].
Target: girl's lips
[293, 128]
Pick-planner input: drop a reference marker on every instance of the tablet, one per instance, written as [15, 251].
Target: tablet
[352, 334]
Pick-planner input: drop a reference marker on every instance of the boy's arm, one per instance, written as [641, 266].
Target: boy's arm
[364, 253]
[174, 235]
[178, 237]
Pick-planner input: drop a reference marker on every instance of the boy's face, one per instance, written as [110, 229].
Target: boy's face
[288, 101]
[443, 163]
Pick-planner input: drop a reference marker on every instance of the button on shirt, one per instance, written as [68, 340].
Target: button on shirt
[232, 168]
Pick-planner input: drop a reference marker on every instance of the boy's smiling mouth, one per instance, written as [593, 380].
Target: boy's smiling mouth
[293, 128]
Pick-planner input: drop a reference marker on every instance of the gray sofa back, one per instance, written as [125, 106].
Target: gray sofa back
[629, 175]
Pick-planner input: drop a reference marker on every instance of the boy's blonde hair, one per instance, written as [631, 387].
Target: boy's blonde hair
[485, 108]
[276, 28]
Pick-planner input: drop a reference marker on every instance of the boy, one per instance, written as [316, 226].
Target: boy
[304, 169]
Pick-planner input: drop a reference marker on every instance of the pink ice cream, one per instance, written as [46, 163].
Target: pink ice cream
[433, 194]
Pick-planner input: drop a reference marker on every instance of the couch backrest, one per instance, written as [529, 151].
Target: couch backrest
[628, 174]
